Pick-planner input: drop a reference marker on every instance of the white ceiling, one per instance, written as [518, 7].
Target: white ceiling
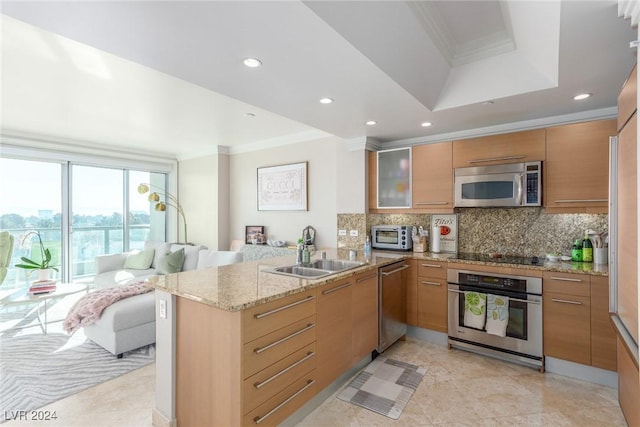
[167, 77]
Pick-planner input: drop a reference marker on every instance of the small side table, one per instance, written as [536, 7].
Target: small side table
[22, 296]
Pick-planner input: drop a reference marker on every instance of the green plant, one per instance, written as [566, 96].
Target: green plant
[45, 255]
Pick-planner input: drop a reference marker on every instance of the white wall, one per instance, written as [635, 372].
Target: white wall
[203, 193]
[351, 191]
[288, 225]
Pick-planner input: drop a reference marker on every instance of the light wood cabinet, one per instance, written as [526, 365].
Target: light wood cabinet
[237, 368]
[576, 319]
[364, 323]
[628, 385]
[432, 295]
[517, 147]
[627, 99]
[603, 336]
[334, 330]
[412, 292]
[433, 177]
[576, 170]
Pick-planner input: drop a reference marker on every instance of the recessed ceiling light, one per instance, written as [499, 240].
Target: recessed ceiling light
[249, 115]
[252, 62]
[425, 124]
[371, 122]
[487, 103]
[326, 100]
[581, 96]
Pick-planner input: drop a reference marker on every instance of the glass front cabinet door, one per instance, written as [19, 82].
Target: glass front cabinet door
[394, 178]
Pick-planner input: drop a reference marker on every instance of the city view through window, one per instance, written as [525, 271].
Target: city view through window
[102, 206]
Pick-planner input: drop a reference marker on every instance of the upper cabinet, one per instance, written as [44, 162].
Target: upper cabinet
[517, 147]
[433, 177]
[576, 170]
[394, 178]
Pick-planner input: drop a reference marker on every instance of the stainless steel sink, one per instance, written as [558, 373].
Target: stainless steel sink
[318, 268]
[300, 271]
[335, 264]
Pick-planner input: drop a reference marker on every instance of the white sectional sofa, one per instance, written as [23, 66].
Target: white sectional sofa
[130, 323]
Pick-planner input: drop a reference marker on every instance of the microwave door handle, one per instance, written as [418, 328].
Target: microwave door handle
[520, 182]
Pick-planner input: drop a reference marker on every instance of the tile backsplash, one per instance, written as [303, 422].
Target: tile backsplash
[514, 231]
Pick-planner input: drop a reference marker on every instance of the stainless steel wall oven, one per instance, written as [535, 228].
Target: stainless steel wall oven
[522, 342]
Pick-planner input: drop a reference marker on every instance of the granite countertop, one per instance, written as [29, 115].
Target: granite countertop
[239, 286]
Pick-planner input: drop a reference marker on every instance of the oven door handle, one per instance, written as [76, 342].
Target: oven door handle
[510, 299]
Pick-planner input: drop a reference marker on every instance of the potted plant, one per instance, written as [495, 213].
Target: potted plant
[44, 266]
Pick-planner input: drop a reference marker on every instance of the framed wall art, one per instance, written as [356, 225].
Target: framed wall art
[283, 188]
[251, 231]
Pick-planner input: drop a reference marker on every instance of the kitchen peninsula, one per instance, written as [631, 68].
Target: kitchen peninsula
[217, 327]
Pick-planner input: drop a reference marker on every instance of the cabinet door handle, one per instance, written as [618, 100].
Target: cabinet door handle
[431, 203]
[493, 159]
[281, 340]
[309, 355]
[424, 282]
[258, 420]
[389, 273]
[431, 265]
[580, 200]
[284, 307]
[337, 288]
[564, 301]
[362, 279]
[566, 279]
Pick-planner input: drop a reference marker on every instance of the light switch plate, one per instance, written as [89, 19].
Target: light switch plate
[342, 232]
[163, 308]
[353, 233]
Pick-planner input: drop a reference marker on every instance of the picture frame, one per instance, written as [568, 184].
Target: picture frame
[252, 230]
[283, 187]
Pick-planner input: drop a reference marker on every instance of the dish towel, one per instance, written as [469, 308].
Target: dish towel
[474, 309]
[497, 314]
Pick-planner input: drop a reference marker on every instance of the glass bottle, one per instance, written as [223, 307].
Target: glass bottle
[587, 250]
[576, 251]
[367, 248]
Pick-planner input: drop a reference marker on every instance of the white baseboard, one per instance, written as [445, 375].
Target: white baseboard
[159, 420]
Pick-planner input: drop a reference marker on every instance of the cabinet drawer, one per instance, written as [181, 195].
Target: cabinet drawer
[432, 269]
[260, 320]
[270, 381]
[566, 283]
[267, 350]
[567, 327]
[279, 407]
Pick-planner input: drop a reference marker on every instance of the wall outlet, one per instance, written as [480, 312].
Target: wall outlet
[342, 232]
[353, 233]
[163, 308]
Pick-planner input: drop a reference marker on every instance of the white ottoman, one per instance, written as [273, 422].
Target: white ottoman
[125, 325]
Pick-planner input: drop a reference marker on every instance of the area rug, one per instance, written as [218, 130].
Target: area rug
[385, 386]
[36, 369]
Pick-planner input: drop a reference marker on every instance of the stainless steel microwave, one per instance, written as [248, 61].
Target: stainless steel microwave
[516, 184]
[394, 237]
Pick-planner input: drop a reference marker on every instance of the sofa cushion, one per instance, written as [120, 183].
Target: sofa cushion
[211, 258]
[160, 249]
[190, 255]
[171, 262]
[139, 260]
[129, 312]
[106, 263]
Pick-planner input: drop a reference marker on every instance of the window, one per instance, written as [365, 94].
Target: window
[101, 205]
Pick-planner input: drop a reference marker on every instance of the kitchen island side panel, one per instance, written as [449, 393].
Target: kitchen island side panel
[208, 365]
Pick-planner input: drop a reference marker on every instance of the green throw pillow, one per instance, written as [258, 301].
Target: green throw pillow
[139, 260]
[171, 262]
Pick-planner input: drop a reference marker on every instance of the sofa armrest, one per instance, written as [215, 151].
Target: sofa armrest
[111, 262]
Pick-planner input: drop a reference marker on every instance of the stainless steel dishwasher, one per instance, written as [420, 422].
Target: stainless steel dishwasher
[392, 319]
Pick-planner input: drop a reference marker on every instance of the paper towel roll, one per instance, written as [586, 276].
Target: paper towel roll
[435, 239]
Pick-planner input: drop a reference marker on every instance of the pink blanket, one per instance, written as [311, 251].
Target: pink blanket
[89, 308]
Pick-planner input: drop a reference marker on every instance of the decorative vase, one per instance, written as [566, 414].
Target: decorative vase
[44, 273]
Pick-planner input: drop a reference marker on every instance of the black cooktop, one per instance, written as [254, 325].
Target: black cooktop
[503, 259]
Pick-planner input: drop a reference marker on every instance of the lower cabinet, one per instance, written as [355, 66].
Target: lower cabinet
[334, 330]
[432, 295]
[364, 320]
[576, 319]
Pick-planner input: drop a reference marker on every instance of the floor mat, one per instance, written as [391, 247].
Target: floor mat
[385, 386]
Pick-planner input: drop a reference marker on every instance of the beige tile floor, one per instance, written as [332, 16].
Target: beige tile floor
[459, 389]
